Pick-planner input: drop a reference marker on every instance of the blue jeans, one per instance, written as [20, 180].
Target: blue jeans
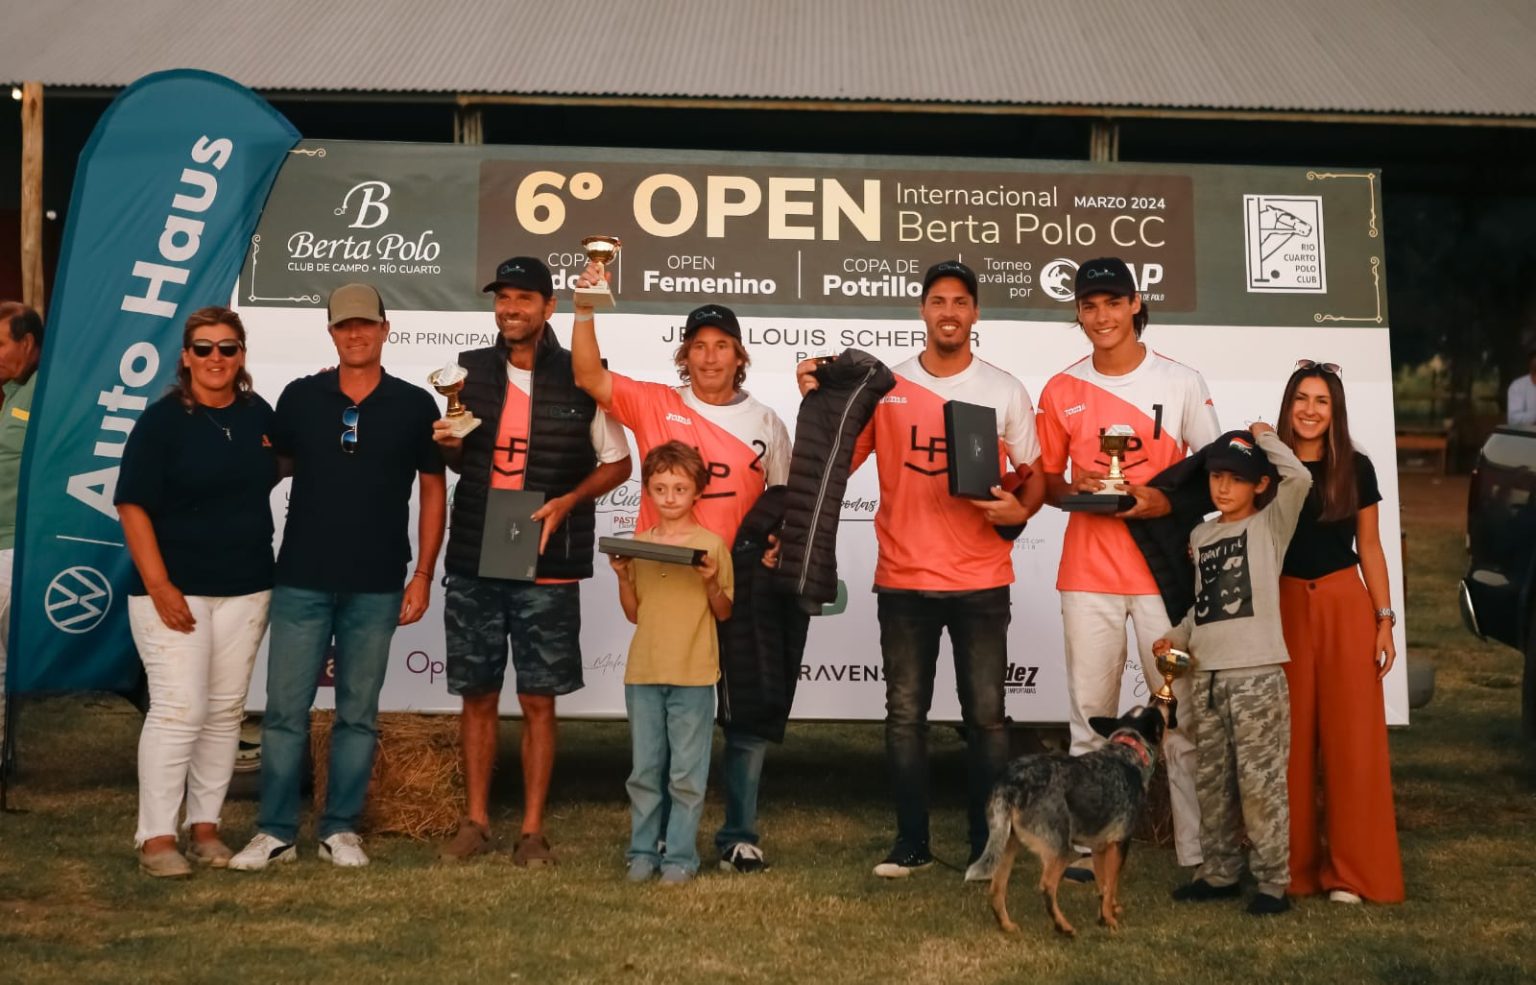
[670, 728]
[303, 623]
[910, 625]
[742, 770]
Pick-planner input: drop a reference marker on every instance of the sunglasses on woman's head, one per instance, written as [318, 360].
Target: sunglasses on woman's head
[203, 348]
[349, 418]
[1333, 368]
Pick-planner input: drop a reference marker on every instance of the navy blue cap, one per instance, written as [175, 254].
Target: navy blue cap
[524, 274]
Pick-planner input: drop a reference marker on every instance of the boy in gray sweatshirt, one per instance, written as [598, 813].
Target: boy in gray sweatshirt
[1241, 708]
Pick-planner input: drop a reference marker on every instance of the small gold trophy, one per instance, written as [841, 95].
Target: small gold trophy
[449, 381]
[1115, 441]
[600, 251]
[1172, 665]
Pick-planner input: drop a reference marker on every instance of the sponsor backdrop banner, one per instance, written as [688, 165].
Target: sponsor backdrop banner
[167, 193]
[820, 253]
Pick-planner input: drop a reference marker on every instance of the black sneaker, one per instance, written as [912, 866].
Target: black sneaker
[743, 857]
[1199, 891]
[903, 861]
[1265, 905]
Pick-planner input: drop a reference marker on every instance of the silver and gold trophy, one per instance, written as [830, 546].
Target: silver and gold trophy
[600, 252]
[1172, 665]
[1114, 442]
[449, 381]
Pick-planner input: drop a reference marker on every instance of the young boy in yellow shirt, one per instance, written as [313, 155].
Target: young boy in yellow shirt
[673, 664]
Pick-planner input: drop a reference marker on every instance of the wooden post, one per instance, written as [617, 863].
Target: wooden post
[1104, 141]
[32, 195]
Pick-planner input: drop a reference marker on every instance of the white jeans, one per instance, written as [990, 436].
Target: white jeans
[1094, 625]
[7, 558]
[197, 685]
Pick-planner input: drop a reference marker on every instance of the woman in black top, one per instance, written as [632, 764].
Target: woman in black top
[1339, 634]
[193, 496]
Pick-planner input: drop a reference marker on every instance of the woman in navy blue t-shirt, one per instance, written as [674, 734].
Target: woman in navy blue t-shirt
[193, 495]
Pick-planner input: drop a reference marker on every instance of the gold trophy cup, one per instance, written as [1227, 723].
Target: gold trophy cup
[449, 381]
[1115, 441]
[1172, 665]
[600, 251]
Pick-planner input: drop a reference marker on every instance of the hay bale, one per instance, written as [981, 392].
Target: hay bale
[417, 787]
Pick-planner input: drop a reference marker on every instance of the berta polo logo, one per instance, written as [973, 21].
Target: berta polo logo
[371, 212]
[365, 245]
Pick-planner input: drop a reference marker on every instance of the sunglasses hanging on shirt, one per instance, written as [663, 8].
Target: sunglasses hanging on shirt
[203, 348]
[349, 436]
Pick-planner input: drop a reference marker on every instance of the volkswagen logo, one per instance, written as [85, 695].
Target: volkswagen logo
[77, 599]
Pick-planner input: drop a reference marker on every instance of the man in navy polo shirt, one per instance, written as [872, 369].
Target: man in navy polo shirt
[359, 439]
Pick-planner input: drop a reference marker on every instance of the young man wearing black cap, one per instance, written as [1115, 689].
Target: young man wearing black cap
[538, 432]
[942, 563]
[358, 440]
[1104, 579]
[746, 449]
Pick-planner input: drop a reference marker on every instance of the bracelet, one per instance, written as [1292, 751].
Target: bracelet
[1386, 614]
[421, 574]
[580, 317]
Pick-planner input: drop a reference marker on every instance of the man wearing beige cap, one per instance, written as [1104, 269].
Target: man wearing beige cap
[358, 440]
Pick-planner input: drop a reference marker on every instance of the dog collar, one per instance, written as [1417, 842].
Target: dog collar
[1135, 745]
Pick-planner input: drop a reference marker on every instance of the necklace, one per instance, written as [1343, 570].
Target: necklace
[209, 414]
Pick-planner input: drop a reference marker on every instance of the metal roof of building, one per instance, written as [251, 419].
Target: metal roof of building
[1367, 56]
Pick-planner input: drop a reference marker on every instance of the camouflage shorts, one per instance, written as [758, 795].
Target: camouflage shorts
[481, 616]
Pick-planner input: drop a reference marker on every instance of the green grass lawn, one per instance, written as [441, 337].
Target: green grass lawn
[73, 907]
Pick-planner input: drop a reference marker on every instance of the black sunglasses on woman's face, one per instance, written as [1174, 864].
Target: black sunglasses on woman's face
[203, 348]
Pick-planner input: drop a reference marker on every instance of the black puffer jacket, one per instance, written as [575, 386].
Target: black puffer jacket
[1164, 541]
[761, 645]
[826, 430]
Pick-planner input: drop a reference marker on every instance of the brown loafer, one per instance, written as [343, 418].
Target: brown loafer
[534, 852]
[165, 864]
[470, 840]
[212, 853]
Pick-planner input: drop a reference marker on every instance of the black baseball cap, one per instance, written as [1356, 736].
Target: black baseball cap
[524, 274]
[713, 316]
[1106, 275]
[1237, 452]
[952, 268]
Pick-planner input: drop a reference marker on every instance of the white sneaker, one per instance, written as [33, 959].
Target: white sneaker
[344, 849]
[262, 851]
[1343, 896]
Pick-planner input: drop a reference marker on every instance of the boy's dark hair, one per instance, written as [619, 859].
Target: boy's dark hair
[674, 456]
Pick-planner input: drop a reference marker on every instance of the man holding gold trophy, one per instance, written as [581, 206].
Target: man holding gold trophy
[1120, 416]
[746, 449]
[533, 452]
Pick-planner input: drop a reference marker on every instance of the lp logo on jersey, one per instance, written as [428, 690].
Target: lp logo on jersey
[936, 449]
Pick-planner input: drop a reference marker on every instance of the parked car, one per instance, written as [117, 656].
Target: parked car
[1498, 595]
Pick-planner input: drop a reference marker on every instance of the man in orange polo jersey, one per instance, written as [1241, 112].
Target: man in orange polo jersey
[745, 447]
[1105, 579]
[942, 563]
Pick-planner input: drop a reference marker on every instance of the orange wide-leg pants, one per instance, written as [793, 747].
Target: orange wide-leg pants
[1338, 729]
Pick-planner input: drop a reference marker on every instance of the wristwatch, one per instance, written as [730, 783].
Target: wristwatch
[1386, 614]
